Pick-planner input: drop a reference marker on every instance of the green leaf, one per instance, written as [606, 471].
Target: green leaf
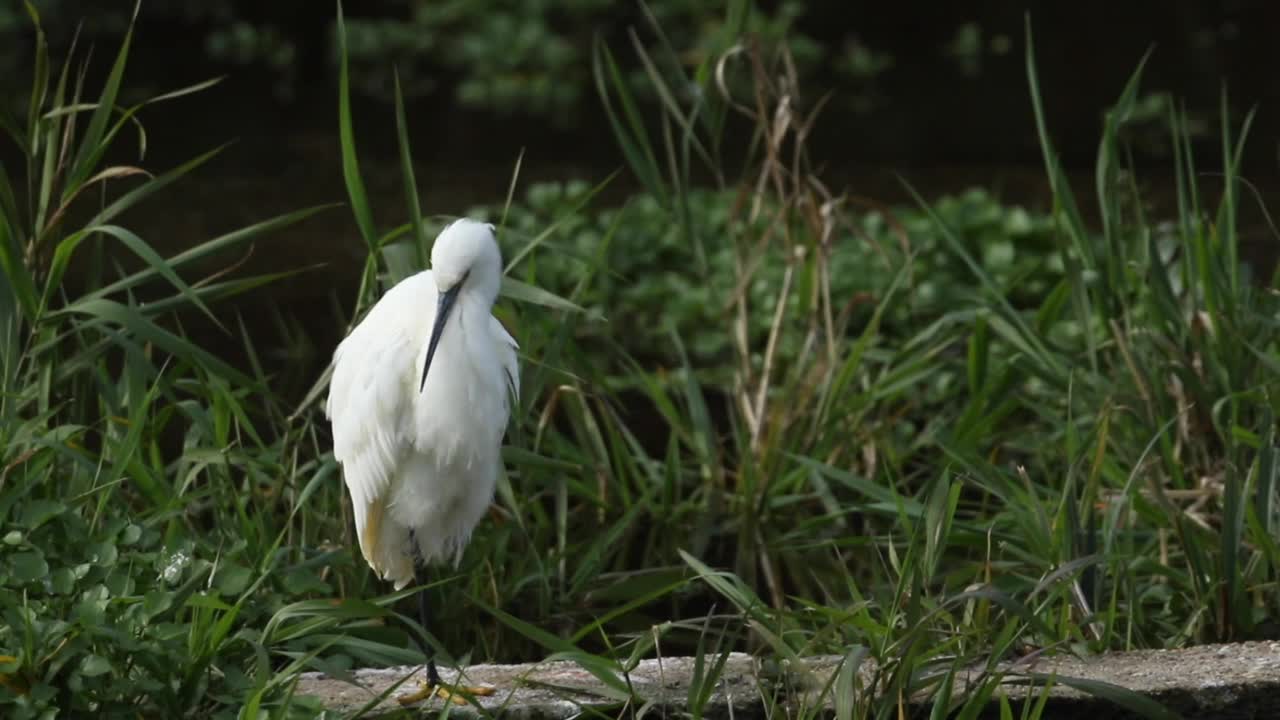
[38, 511]
[346, 137]
[40, 81]
[886, 496]
[631, 135]
[91, 144]
[62, 581]
[604, 670]
[128, 318]
[130, 534]
[150, 187]
[103, 554]
[410, 183]
[156, 263]
[156, 602]
[29, 566]
[233, 579]
[208, 248]
[94, 665]
[727, 584]
[561, 220]
[17, 279]
[847, 681]
[524, 292]
[1122, 696]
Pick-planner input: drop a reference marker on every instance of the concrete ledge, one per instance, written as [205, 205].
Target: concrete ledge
[1211, 681]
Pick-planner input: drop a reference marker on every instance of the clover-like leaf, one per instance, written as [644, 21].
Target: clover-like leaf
[29, 566]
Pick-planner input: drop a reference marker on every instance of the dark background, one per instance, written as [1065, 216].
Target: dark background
[935, 106]
[934, 92]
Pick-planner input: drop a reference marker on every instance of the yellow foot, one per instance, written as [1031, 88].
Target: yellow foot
[456, 694]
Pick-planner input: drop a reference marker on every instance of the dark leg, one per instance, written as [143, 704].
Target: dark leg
[433, 675]
[433, 686]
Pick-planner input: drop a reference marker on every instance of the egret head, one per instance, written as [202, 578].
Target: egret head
[464, 260]
[466, 253]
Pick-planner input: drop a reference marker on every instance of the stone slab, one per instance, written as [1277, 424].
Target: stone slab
[1211, 681]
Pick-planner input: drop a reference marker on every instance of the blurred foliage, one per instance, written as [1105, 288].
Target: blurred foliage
[533, 57]
[650, 291]
[507, 56]
[120, 589]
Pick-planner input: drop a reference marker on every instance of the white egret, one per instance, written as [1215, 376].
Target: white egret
[419, 400]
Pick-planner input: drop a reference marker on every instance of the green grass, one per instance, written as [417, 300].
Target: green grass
[929, 437]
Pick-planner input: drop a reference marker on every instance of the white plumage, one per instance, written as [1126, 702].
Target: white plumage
[421, 457]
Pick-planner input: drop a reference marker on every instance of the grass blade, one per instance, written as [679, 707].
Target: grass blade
[346, 135]
[410, 184]
[91, 144]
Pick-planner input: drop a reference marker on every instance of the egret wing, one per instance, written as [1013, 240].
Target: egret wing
[369, 407]
[507, 348]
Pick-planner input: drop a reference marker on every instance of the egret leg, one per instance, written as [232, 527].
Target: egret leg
[428, 650]
[432, 686]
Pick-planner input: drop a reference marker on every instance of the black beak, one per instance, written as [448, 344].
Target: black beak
[443, 306]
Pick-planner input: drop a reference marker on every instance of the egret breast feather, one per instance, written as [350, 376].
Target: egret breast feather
[421, 454]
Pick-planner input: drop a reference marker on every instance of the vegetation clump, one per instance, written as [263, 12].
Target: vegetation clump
[755, 415]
